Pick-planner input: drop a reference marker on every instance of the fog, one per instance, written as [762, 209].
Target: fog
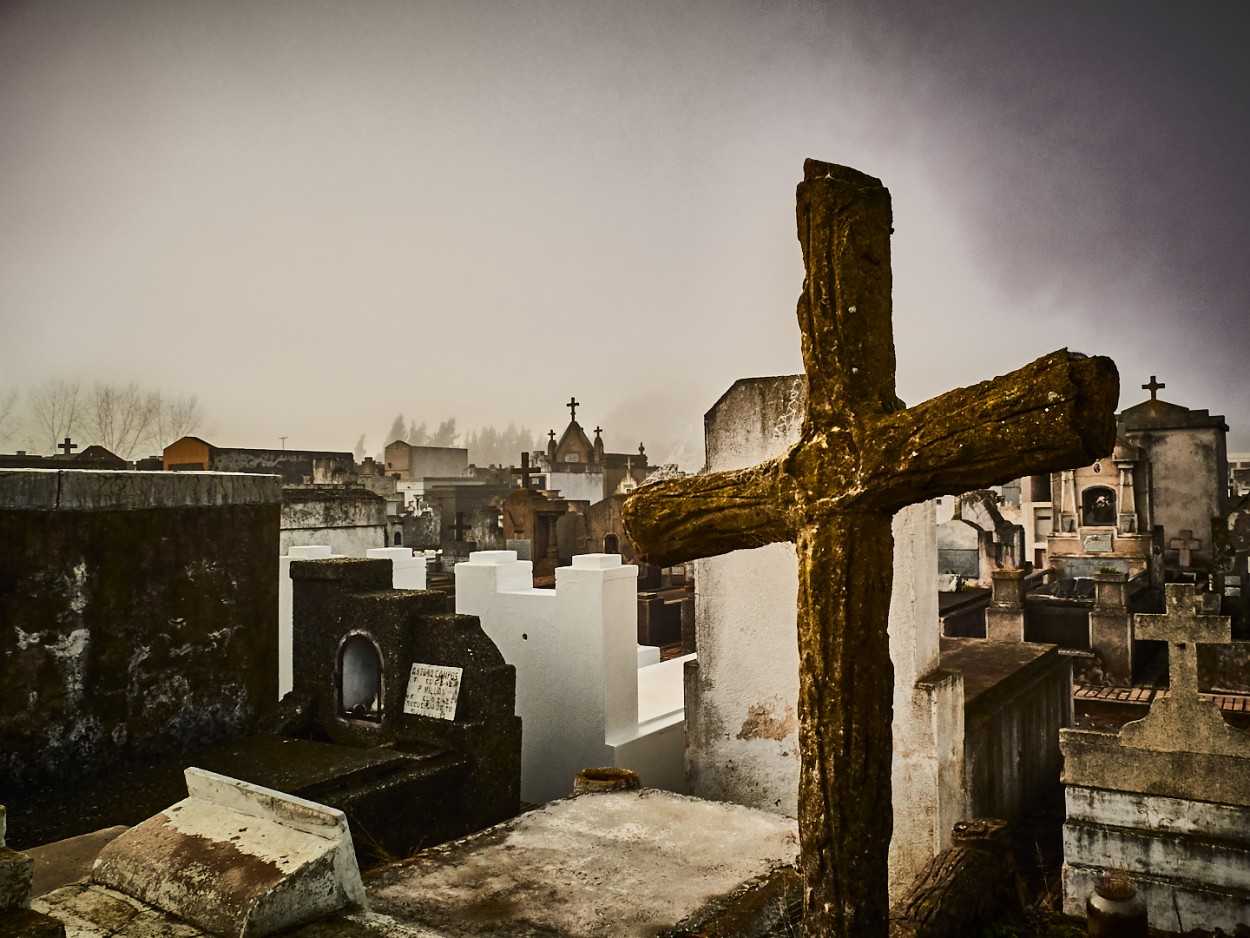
[315, 216]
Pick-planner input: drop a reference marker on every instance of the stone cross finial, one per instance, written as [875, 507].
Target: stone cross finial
[860, 457]
[572, 406]
[65, 446]
[1153, 387]
[460, 528]
[1183, 545]
[526, 470]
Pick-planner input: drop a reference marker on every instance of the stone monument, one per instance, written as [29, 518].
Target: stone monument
[861, 457]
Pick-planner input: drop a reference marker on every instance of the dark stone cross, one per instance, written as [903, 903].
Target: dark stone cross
[862, 456]
[526, 470]
[1153, 387]
[1184, 627]
[459, 529]
[66, 446]
[572, 406]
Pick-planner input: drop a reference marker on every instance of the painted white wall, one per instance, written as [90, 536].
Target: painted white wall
[742, 700]
[407, 567]
[582, 698]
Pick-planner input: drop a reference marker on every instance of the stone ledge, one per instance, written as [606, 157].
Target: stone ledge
[106, 490]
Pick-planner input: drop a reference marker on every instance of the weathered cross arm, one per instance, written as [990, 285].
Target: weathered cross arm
[1054, 413]
[705, 515]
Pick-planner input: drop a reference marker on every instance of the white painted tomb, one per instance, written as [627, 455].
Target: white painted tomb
[407, 566]
[583, 699]
[237, 859]
[742, 699]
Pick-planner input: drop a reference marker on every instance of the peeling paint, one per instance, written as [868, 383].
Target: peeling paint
[763, 723]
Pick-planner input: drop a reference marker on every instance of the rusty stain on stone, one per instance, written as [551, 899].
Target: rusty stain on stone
[762, 722]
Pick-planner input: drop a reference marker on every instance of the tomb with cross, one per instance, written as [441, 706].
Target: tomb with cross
[1183, 545]
[1183, 719]
[860, 457]
[526, 471]
[1168, 797]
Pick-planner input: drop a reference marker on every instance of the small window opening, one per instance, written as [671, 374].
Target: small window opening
[360, 679]
[1098, 506]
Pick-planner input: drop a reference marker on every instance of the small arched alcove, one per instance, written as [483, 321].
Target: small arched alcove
[1098, 506]
[360, 678]
[611, 545]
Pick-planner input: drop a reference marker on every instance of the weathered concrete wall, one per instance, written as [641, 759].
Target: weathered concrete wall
[741, 698]
[1011, 737]
[1224, 667]
[138, 615]
[350, 521]
[1188, 859]
[1188, 484]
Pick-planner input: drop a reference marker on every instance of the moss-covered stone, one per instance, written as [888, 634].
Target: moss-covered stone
[860, 457]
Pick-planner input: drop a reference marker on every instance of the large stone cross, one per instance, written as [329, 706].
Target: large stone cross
[1183, 721]
[860, 457]
[1184, 628]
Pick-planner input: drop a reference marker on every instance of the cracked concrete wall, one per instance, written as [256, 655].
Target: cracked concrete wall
[138, 616]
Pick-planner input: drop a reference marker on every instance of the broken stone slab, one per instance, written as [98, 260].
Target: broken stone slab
[236, 859]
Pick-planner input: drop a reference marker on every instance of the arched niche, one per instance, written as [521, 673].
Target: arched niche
[1098, 506]
[359, 678]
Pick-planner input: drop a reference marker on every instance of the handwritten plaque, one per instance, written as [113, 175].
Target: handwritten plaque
[433, 690]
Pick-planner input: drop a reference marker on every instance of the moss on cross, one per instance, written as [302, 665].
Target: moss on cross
[860, 457]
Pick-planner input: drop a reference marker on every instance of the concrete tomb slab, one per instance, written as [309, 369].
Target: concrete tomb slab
[237, 859]
[627, 862]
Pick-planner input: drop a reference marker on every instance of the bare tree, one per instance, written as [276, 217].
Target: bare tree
[55, 407]
[121, 418]
[175, 418]
[8, 414]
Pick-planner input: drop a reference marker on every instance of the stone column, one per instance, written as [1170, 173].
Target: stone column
[1004, 619]
[1111, 628]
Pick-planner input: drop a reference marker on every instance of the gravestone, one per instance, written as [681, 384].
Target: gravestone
[860, 458]
[373, 668]
[1167, 800]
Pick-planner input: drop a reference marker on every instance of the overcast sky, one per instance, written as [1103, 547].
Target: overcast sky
[317, 215]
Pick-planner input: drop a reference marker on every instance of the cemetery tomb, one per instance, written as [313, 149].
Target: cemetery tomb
[1165, 801]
